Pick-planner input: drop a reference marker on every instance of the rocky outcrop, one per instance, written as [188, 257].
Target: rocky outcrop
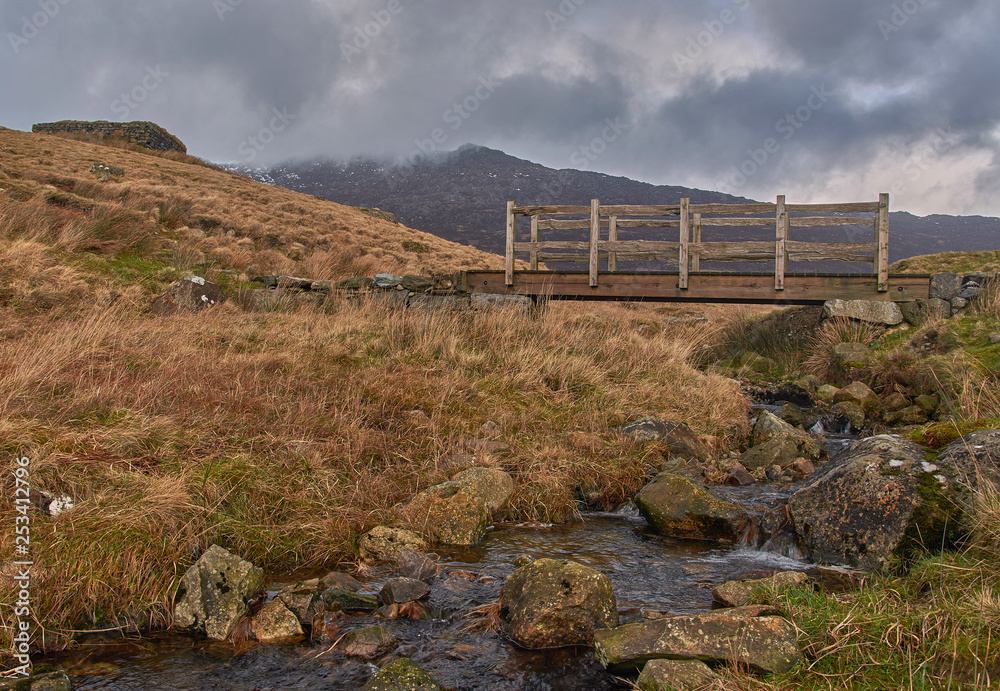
[552, 604]
[677, 507]
[873, 503]
[214, 593]
[777, 443]
[192, 294]
[144, 134]
[753, 637]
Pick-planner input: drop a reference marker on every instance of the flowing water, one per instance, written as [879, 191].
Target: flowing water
[651, 574]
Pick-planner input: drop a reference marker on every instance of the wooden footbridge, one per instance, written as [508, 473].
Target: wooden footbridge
[683, 278]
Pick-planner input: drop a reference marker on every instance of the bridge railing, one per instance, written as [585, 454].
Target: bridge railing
[605, 245]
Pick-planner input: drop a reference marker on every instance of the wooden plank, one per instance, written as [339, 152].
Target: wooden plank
[696, 237]
[534, 240]
[612, 238]
[542, 210]
[511, 230]
[685, 235]
[722, 222]
[639, 246]
[578, 245]
[633, 223]
[851, 208]
[882, 255]
[823, 221]
[705, 287]
[732, 209]
[832, 251]
[595, 237]
[633, 210]
[762, 247]
[781, 237]
[559, 224]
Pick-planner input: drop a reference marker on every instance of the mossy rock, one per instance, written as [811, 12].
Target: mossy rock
[401, 674]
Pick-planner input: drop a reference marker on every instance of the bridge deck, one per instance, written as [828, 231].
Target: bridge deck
[799, 289]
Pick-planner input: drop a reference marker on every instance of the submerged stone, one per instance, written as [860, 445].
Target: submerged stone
[401, 674]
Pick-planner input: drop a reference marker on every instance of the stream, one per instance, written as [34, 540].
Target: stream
[650, 573]
[652, 576]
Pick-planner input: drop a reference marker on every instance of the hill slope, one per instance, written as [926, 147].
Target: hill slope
[166, 211]
[461, 196]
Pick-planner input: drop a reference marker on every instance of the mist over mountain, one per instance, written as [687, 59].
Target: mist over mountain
[462, 195]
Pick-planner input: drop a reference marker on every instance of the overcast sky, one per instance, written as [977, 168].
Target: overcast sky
[821, 100]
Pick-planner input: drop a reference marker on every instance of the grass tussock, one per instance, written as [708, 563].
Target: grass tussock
[282, 436]
[936, 628]
[834, 332]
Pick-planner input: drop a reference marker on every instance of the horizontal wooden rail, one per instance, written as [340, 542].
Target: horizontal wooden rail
[691, 249]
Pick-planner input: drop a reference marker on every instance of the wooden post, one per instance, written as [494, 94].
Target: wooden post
[696, 256]
[682, 257]
[534, 239]
[613, 237]
[511, 227]
[595, 238]
[882, 255]
[781, 237]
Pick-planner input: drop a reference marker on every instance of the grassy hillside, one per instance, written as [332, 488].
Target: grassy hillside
[167, 215]
[950, 262]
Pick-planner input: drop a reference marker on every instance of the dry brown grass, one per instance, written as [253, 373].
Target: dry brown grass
[284, 435]
[234, 222]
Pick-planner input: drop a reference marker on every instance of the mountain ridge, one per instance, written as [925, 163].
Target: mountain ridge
[461, 196]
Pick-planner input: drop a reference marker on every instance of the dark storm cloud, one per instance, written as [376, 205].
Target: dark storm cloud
[669, 91]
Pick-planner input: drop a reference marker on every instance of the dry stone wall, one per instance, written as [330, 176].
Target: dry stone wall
[145, 134]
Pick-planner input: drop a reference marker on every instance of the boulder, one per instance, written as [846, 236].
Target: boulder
[452, 513]
[214, 593]
[552, 604]
[860, 394]
[826, 393]
[873, 503]
[913, 415]
[275, 623]
[492, 484]
[681, 440]
[928, 403]
[416, 284]
[920, 312]
[386, 281]
[302, 599]
[870, 311]
[677, 507]
[747, 636]
[675, 675]
[192, 294]
[416, 565]
[368, 643]
[738, 593]
[739, 477]
[994, 339]
[344, 581]
[384, 544]
[945, 286]
[401, 674]
[853, 413]
[400, 590]
[346, 601]
[973, 456]
[893, 402]
[780, 451]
